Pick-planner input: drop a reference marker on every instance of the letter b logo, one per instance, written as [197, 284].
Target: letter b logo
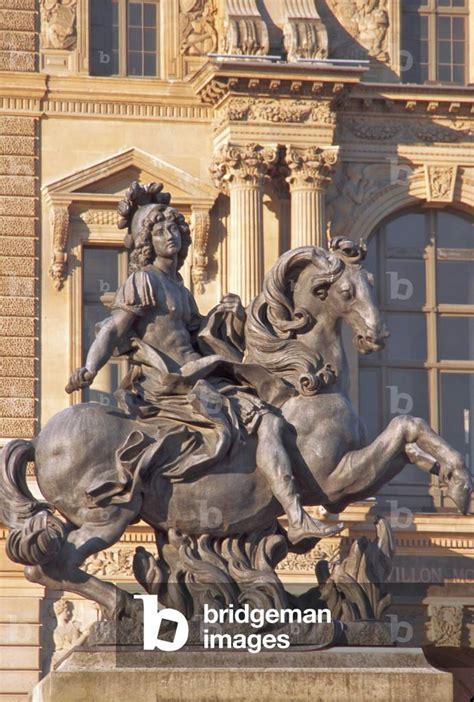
[152, 619]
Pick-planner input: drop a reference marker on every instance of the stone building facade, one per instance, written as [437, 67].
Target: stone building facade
[273, 123]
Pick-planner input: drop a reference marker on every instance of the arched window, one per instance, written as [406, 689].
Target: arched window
[423, 261]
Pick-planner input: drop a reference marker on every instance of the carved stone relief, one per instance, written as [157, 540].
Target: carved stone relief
[310, 166]
[278, 111]
[244, 30]
[59, 219]
[198, 27]
[95, 216]
[440, 183]
[445, 625]
[354, 184]
[116, 562]
[304, 33]
[68, 631]
[408, 131]
[249, 164]
[58, 24]
[200, 224]
[358, 28]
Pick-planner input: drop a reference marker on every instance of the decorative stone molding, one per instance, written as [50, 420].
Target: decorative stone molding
[200, 225]
[198, 27]
[240, 165]
[114, 562]
[312, 167]
[59, 220]
[304, 33]
[244, 30]
[440, 182]
[277, 111]
[95, 216]
[58, 24]
[445, 626]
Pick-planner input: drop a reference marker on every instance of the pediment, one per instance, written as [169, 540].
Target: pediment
[108, 179]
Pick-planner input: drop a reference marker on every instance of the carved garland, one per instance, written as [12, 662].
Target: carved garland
[59, 219]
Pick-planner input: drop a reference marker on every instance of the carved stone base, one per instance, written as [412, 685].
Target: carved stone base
[338, 675]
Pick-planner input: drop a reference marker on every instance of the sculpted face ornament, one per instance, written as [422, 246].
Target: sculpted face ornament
[231, 415]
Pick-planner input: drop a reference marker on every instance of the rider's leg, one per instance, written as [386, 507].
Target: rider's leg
[273, 461]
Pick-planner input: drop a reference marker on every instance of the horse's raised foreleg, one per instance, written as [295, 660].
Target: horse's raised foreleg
[406, 440]
[102, 527]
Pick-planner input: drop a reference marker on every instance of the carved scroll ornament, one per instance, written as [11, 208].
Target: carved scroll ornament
[247, 164]
[304, 33]
[245, 32]
[310, 167]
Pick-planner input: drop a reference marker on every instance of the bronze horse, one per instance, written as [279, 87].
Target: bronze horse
[293, 325]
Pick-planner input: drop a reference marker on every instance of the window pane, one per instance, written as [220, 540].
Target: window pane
[407, 339]
[457, 413]
[444, 73]
[444, 27]
[459, 75]
[103, 38]
[407, 392]
[453, 231]
[405, 283]
[134, 39]
[456, 338]
[135, 14]
[149, 65]
[455, 282]
[369, 401]
[407, 234]
[134, 63]
[458, 52]
[444, 52]
[100, 271]
[149, 14]
[459, 30]
[149, 39]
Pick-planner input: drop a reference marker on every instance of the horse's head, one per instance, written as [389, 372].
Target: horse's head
[305, 295]
[337, 287]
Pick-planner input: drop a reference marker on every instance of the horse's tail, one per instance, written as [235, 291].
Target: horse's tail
[36, 535]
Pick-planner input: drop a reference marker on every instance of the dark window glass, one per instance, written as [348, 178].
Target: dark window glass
[456, 338]
[457, 413]
[104, 38]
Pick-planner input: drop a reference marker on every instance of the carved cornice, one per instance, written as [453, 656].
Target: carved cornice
[310, 168]
[59, 221]
[242, 165]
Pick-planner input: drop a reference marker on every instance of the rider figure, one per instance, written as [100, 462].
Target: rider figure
[155, 309]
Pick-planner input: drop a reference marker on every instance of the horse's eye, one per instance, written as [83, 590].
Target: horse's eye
[346, 294]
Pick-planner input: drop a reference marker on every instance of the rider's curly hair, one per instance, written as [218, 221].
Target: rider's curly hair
[143, 253]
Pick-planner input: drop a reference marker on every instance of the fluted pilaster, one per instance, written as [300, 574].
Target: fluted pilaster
[240, 171]
[310, 172]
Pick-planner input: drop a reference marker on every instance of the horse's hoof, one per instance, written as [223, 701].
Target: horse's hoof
[313, 530]
[460, 490]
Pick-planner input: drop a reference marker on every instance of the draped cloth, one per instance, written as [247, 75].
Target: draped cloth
[191, 421]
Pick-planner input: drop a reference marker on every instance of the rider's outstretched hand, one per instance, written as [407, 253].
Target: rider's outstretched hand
[233, 304]
[81, 378]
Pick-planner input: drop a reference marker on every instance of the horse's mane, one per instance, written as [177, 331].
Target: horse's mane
[273, 320]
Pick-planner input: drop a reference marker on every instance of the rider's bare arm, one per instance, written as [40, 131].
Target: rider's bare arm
[112, 330]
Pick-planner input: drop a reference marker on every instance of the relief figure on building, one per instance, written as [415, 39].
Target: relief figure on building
[358, 27]
[58, 24]
[225, 422]
[198, 34]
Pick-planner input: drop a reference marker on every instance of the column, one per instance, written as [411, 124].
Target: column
[310, 171]
[241, 171]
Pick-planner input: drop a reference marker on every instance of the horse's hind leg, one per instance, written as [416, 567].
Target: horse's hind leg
[102, 527]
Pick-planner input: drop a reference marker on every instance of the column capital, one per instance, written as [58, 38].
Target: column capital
[310, 168]
[241, 165]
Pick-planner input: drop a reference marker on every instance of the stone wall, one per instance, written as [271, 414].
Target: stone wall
[18, 229]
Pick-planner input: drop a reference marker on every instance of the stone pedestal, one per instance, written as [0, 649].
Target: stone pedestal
[334, 675]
